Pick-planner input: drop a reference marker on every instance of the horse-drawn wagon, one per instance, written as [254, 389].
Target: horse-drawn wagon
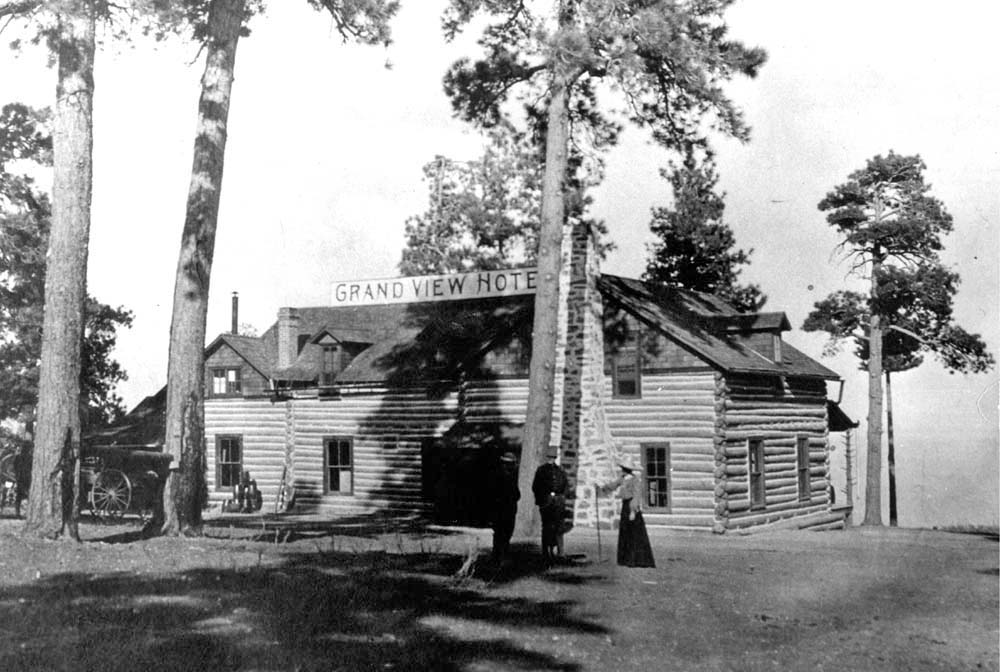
[116, 480]
[113, 480]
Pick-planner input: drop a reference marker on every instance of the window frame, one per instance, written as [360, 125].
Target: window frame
[219, 463]
[629, 356]
[331, 357]
[756, 478]
[644, 449]
[802, 468]
[234, 388]
[327, 466]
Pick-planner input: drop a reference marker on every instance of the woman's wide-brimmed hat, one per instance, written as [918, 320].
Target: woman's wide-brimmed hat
[627, 463]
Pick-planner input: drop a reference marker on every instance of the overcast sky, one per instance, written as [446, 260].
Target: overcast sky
[324, 164]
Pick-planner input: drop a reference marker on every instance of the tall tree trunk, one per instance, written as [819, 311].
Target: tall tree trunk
[893, 518]
[873, 489]
[184, 491]
[849, 469]
[53, 500]
[541, 371]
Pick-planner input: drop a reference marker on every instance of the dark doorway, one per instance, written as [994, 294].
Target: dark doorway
[458, 470]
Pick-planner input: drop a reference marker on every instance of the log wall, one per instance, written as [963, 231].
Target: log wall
[387, 428]
[706, 418]
[679, 409]
[778, 412]
[261, 424]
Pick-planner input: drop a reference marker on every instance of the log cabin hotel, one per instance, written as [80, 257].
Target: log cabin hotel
[399, 396]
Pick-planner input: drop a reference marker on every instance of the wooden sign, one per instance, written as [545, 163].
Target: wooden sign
[421, 288]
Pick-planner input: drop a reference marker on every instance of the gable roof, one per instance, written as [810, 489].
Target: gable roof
[407, 339]
[253, 349]
[681, 316]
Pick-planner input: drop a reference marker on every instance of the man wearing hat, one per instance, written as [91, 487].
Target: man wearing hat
[506, 496]
[549, 487]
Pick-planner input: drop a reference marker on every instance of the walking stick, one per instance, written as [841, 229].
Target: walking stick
[597, 523]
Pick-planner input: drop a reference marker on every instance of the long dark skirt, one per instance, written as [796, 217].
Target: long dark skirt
[633, 542]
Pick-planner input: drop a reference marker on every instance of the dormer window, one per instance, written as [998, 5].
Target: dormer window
[335, 359]
[330, 360]
[227, 382]
[776, 346]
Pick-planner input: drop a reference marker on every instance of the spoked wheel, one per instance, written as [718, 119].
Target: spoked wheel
[110, 495]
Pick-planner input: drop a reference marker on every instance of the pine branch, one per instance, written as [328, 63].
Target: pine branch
[935, 345]
[12, 7]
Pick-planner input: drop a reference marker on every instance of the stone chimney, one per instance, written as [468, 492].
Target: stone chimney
[288, 337]
[587, 448]
[236, 313]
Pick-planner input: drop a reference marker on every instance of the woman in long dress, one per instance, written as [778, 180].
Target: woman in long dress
[633, 541]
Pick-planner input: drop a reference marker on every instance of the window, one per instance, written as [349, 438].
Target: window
[228, 460]
[330, 357]
[656, 464]
[625, 375]
[336, 357]
[338, 465]
[802, 464]
[755, 457]
[776, 347]
[226, 382]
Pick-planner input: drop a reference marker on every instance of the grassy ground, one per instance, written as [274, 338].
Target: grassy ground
[312, 596]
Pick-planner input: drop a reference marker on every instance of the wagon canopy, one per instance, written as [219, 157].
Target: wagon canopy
[127, 460]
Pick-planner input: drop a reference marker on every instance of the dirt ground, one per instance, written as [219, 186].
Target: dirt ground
[312, 596]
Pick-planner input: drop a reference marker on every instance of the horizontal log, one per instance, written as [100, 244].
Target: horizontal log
[737, 505]
[767, 433]
[678, 467]
[737, 404]
[686, 501]
[778, 510]
[659, 519]
[776, 412]
[772, 516]
[682, 483]
[660, 433]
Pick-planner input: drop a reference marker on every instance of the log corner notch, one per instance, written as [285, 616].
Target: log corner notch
[721, 521]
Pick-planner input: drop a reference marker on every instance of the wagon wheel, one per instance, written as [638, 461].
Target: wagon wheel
[111, 494]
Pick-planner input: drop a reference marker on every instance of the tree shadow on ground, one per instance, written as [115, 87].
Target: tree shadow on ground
[523, 560]
[328, 611]
[280, 528]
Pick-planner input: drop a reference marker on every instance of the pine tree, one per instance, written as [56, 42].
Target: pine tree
[484, 214]
[893, 228]
[915, 311]
[694, 247]
[666, 61]
[69, 28]
[219, 25]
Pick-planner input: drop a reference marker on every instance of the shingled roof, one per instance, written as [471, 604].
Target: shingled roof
[405, 338]
[687, 319]
[142, 427]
